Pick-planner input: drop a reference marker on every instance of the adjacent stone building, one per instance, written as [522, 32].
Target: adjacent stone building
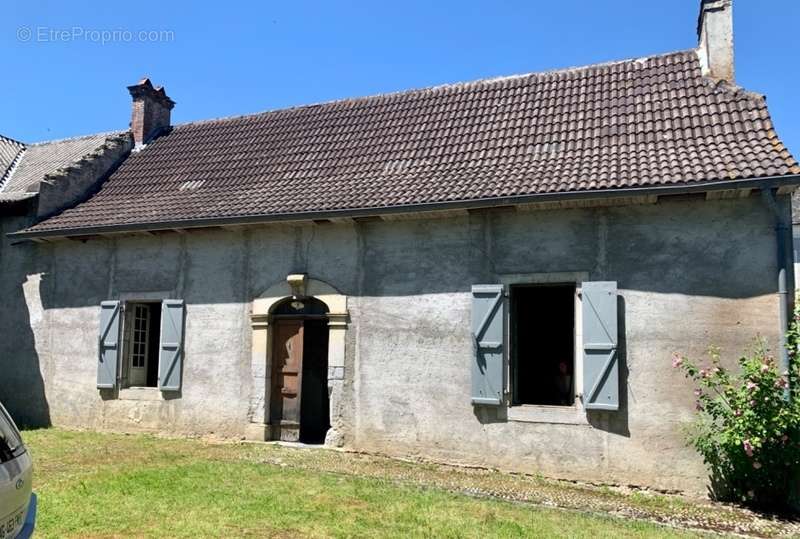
[37, 181]
[495, 272]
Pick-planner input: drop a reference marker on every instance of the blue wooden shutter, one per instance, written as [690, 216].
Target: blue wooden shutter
[108, 345]
[488, 343]
[171, 355]
[600, 363]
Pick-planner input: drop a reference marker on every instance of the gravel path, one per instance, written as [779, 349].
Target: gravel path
[673, 510]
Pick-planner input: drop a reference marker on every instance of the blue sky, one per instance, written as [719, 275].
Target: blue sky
[222, 59]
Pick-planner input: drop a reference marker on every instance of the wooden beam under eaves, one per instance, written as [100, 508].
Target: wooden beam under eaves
[368, 219]
[724, 194]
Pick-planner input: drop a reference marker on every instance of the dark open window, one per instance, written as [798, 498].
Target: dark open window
[543, 344]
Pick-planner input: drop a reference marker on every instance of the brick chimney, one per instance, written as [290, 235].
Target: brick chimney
[151, 111]
[715, 39]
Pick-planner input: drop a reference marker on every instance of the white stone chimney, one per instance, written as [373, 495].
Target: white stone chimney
[715, 39]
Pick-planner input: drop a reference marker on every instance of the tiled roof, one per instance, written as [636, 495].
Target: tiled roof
[9, 152]
[638, 123]
[43, 158]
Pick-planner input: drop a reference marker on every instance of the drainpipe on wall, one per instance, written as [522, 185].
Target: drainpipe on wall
[785, 256]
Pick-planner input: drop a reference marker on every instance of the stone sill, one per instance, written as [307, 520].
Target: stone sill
[140, 394]
[565, 415]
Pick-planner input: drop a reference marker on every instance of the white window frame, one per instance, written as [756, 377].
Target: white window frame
[542, 413]
[139, 347]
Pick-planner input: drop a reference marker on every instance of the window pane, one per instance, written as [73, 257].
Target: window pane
[141, 320]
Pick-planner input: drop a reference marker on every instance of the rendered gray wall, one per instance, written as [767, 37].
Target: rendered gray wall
[691, 273]
[21, 362]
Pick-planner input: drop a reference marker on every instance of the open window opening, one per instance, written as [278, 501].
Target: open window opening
[542, 323]
[141, 335]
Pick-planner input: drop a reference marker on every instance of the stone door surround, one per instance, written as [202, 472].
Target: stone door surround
[295, 286]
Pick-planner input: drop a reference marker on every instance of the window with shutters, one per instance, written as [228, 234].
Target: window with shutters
[141, 346]
[547, 345]
[141, 330]
[542, 339]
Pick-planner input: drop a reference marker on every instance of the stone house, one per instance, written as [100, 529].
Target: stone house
[494, 273]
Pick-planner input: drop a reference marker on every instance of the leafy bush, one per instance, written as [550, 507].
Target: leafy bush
[746, 427]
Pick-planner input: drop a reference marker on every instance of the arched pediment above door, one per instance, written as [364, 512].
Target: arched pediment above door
[269, 298]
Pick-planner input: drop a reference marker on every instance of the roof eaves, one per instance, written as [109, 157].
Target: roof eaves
[687, 188]
[11, 198]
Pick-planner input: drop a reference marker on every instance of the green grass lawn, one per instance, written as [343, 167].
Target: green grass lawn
[106, 485]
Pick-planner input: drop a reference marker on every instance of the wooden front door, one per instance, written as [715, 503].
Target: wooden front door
[287, 373]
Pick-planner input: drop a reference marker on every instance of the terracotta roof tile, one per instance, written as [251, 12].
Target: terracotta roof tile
[638, 123]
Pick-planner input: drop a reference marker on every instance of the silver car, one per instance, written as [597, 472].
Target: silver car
[17, 502]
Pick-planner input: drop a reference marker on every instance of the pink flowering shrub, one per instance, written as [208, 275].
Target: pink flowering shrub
[746, 427]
